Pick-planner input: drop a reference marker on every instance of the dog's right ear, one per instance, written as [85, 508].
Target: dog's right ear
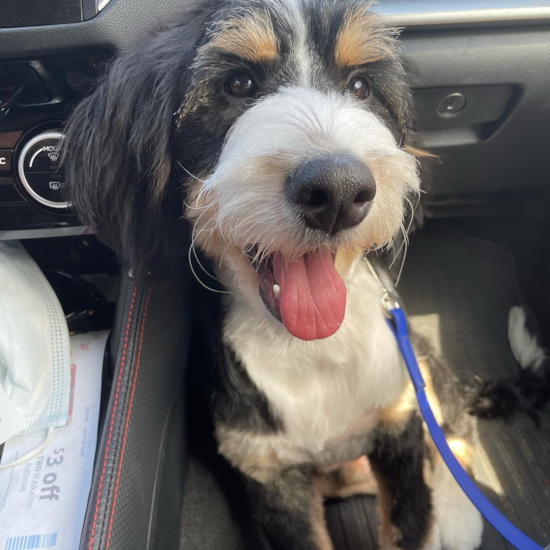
[118, 143]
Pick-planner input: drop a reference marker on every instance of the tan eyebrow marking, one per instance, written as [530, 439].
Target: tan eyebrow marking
[362, 39]
[251, 37]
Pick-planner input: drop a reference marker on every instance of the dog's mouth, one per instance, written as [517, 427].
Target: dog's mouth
[307, 294]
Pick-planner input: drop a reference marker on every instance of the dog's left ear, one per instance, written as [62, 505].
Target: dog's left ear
[118, 143]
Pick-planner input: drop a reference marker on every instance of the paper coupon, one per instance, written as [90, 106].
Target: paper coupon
[43, 502]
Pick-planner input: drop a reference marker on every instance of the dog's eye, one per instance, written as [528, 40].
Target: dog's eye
[241, 85]
[359, 87]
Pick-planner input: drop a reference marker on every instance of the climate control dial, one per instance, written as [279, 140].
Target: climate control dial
[40, 171]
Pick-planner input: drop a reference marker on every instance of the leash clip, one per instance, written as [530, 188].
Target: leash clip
[389, 303]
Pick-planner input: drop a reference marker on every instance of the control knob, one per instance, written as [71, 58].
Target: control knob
[40, 172]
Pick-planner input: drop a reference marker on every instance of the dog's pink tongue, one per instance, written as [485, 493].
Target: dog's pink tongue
[313, 295]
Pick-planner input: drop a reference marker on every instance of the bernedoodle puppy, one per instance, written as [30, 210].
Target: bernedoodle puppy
[280, 130]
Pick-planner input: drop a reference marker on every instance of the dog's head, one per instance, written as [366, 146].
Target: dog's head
[277, 127]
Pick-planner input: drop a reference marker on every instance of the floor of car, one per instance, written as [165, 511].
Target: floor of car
[208, 521]
[457, 291]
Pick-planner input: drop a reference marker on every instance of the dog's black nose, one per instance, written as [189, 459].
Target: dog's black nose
[333, 193]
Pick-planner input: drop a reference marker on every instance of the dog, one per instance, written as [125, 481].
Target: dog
[281, 130]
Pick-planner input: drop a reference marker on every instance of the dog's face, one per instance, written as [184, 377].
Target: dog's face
[309, 98]
[288, 138]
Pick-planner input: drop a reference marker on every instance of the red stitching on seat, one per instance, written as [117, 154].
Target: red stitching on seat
[112, 419]
[127, 421]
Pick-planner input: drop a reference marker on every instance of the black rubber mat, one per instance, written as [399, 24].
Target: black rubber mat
[457, 291]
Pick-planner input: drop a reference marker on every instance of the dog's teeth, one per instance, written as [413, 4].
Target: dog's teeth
[276, 290]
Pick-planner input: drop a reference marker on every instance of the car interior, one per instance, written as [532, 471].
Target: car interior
[480, 75]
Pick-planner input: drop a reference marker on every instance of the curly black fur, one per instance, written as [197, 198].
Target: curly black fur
[527, 392]
[121, 177]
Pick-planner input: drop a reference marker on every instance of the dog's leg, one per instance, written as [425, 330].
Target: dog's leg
[399, 462]
[290, 509]
[283, 497]
[351, 478]
[458, 523]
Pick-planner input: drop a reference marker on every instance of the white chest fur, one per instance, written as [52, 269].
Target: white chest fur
[327, 390]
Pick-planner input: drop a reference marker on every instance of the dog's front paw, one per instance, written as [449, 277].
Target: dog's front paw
[434, 541]
[351, 478]
[458, 523]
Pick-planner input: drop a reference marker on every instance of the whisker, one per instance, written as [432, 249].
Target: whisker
[202, 266]
[200, 281]
[189, 207]
[396, 254]
[203, 191]
[403, 261]
[265, 251]
[404, 233]
[189, 173]
[193, 252]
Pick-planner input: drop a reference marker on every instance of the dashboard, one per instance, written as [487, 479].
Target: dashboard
[35, 98]
[480, 71]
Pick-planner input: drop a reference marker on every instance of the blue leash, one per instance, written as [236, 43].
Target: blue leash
[398, 324]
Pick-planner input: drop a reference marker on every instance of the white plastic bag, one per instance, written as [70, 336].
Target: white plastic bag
[35, 369]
